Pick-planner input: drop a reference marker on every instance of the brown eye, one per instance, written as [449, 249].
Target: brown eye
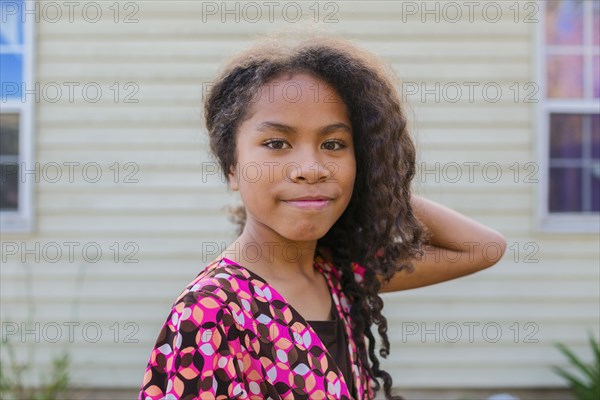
[333, 145]
[275, 144]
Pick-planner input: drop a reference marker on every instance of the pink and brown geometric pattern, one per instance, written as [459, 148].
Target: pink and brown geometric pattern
[230, 335]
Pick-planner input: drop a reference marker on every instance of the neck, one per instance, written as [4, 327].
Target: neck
[272, 256]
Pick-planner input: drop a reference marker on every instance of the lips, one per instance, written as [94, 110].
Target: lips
[311, 198]
[310, 202]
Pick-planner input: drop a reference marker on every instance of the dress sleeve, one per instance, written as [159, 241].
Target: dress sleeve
[197, 353]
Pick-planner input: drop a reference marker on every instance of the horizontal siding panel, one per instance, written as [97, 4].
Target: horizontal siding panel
[445, 355]
[537, 256]
[384, 9]
[58, 202]
[469, 114]
[95, 291]
[348, 22]
[87, 339]
[90, 374]
[453, 194]
[438, 189]
[109, 123]
[213, 48]
[497, 49]
[381, 10]
[453, 136]
[93, 135]
[433, 91]
[485, 157]
[131, 253]
[493, 311]
[486, 70]
[143, 309]
[480, 376]
[208, 49]
[98, 86]
[440, 178]
[106, 146]
[524, 262]
[530, 291]
[118, 113]
[51, 224]
[140, 73]
[131, 176]
[117, 154]
[108, 186]
[104, 258]
[181, 270]
[498, 336]
[453, 176]
[492, 216]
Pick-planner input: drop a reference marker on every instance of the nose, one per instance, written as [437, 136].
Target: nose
[309, 169]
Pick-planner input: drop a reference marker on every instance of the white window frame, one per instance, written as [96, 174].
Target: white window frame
[581, 222]
[22, 220]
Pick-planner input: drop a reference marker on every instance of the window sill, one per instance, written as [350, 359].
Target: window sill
[570, 223]
[14, 222]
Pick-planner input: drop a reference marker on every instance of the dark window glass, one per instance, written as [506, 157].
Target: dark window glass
[9, 161]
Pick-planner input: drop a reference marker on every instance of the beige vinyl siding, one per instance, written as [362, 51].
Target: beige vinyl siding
[175, 210]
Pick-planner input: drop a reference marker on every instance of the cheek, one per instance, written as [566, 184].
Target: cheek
[256, 182]
[253, 198]
[347, 172]
[251, 174]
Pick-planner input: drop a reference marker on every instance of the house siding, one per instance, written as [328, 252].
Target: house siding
[545, 289]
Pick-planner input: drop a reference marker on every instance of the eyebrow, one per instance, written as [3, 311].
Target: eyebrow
[290, 130]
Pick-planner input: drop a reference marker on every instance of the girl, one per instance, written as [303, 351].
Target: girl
[314, 137]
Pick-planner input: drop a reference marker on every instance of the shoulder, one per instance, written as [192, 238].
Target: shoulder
[197, 346]
[216, 292]
[217, 278]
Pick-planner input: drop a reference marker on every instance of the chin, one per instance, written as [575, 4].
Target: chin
[300, 234]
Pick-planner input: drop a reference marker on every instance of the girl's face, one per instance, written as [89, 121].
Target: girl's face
[295, 159]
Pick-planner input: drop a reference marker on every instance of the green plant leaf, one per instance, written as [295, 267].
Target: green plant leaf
[587, 387]
[11, 379]
[586, 370]
[596, 349]
[58, 381]
[574, 382]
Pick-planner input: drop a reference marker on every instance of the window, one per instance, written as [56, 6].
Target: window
[569, 115]
[16, 36]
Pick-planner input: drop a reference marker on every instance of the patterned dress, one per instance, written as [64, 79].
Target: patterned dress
[230, 335]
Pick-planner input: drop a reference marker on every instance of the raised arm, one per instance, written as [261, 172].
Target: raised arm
[457, 246]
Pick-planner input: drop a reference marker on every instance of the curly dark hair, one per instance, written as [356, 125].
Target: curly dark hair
[378, 228]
